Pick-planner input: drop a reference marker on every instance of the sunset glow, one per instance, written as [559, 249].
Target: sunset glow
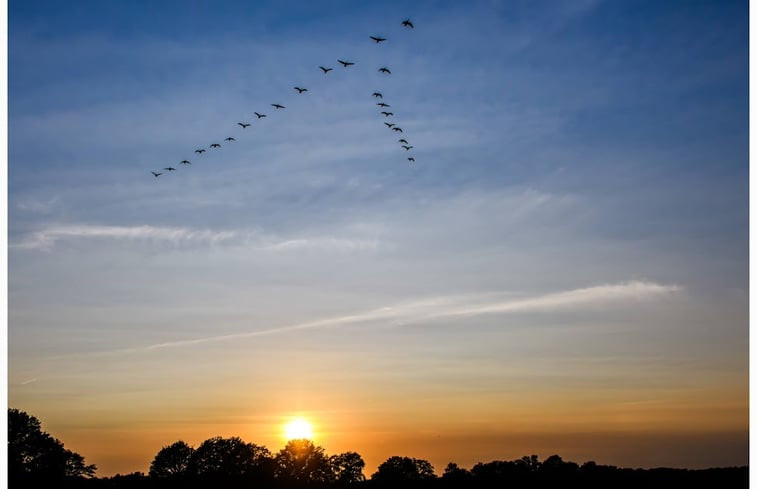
[495, 229]
[298, 428]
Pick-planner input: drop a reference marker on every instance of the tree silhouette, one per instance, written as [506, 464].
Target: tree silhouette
[172, 461]
[347, 468]
[300, 463]
[34, 454]
[403, 470]
[229, 458]
[455, 476]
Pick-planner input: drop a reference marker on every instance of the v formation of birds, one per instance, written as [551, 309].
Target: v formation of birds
[301, 90]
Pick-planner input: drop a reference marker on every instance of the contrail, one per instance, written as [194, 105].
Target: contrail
[450, 307]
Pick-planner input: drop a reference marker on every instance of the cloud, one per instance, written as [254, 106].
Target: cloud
[448, 307]
[47, 238]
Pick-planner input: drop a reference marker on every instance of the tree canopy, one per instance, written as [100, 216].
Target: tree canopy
[34, 454]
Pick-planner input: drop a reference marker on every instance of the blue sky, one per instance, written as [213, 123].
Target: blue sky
[593, 148]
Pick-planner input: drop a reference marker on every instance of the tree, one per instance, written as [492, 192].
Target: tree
[300, 462]
[455, 476]
[398, 470]
[171, 461]
[229, 458]
[34, 454]
[347, 468]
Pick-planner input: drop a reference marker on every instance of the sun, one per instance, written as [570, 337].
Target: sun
[298, 428]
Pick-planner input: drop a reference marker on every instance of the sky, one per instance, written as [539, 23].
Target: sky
[563, 269]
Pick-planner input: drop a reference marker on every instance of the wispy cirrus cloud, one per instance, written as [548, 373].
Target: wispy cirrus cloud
[45, 239]
[449, 307]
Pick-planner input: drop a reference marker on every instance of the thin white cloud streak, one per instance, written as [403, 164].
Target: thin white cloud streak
[451, 307]
[46, 239]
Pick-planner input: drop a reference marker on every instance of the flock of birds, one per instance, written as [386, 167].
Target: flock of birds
[300, 90]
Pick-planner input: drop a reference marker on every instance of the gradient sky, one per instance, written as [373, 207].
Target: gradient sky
[563, 269]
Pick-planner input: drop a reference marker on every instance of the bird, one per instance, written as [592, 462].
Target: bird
[325, 70]
[215, 145]
[411, 159]
[244, 126]
[229, 139]
[403, 141]
[387, 114]
[378, 95]
[346, 63]
[398, 129]
[378, 39]
[382, 104]
[385, 70]
[388, 125]
[300, 90]
[156, 174]
[278, 106]
[199, 151]
[407, 23]
[185, 162]
[407, 148]
[170, 168]
[260, 116]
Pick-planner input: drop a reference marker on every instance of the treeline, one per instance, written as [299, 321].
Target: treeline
[35, 457]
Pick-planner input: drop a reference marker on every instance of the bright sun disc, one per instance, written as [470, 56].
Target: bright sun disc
[297, 429]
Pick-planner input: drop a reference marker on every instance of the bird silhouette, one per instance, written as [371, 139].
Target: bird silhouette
[170, 168]
[407, 23]
[325, 70]
[345, 63]
[260, 116]
[411, 159]
[387, 114]
[300, 90]
[388, 125]
[398, 129]
[403, 141]
[385, 70]
[244, 126]
[185, 162]
[199, 151]
[229, 139]
[278, 106]
[378, 39]
[382, 104]
[378, 95]
[407, 148]
[215, 145]
[156, 174]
